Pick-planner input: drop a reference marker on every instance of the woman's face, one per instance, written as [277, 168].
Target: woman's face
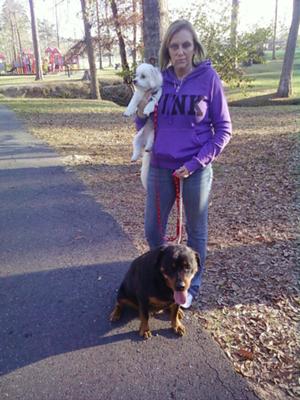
[181, 51]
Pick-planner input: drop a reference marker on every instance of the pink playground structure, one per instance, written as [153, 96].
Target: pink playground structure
[55, 59]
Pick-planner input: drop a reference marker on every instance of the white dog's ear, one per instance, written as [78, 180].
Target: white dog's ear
[155, 78]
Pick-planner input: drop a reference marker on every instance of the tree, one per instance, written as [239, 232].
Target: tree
[15, 30]
[36, 45]
[274, 32]
[285, 83]
[155, 22]
[13, 35]
[47, 34]
[108, 33]
[234, 25]
[134, 4]
[99, 34]
[252, 44]
[86, 8]
[122, 47]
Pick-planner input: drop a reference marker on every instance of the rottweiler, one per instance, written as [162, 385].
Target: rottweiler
[158, 280]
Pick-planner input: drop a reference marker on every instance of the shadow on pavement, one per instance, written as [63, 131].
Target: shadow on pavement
[57, 311]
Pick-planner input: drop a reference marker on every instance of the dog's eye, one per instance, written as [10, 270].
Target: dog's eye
[143, 76]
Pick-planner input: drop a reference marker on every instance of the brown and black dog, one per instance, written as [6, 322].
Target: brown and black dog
[158, 279]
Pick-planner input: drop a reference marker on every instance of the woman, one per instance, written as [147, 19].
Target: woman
[193, 127]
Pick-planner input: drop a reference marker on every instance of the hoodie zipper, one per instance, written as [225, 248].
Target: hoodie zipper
[177, 86]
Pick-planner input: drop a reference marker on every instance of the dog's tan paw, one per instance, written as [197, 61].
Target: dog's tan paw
[179, 329]
[145, 332]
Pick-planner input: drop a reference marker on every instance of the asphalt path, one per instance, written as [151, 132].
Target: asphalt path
[62, 259]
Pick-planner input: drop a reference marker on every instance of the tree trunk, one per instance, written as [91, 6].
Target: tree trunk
[108, 33]
[95, 93]
[155, 23]
[234, 25]
[57, 26]
[99, 35]
[19, 42]
[274, 31]
[134, 33]
[285, 83]
[122, 48]
[19, 39]
[20, 47]
[36, 46]
[13, 37]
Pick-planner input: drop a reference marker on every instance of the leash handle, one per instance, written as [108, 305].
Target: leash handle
[178, 183]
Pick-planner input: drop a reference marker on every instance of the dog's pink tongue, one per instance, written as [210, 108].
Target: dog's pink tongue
[180, 297]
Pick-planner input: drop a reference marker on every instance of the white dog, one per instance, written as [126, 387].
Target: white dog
[147, 77]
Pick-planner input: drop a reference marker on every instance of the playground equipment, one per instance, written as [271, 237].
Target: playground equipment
[2, 62]
[55, 59]
[27, 62]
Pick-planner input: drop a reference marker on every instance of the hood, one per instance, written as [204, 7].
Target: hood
[170, 76]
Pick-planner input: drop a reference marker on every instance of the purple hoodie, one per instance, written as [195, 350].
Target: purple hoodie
[194, 123]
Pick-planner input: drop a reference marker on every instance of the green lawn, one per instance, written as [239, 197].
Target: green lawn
[264, 81]
[265, 78]
[59, 106]
[12, 80]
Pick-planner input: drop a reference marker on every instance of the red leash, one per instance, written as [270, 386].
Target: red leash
[178, 183]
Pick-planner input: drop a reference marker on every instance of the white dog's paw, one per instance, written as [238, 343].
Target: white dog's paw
[145, 168]
[134, 158]
[149, 108]
[136, 154]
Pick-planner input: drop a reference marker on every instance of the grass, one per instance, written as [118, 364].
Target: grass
[264, 82]
[59, 106]
[15, 80]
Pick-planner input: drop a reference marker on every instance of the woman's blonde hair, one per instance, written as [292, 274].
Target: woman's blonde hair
[176, 26]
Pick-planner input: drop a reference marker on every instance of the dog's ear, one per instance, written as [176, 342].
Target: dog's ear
[155, 78]
[158, 253]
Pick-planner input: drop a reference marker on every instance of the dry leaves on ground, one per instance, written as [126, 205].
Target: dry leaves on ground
[249, 301]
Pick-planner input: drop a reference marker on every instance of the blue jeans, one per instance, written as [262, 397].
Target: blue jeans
[196, 190]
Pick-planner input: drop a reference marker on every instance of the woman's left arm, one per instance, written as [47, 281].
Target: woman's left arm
[221, 123]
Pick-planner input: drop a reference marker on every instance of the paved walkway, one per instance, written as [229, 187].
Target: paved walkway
[61, 261]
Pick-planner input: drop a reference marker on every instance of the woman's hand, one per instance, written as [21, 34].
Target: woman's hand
[143, 103]
[182, 172]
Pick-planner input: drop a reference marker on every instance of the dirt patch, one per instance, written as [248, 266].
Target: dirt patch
[249, 301]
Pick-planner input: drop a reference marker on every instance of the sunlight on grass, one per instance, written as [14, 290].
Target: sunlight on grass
[12, 80]
[59, 106]
[264, 83]
[265, 78]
